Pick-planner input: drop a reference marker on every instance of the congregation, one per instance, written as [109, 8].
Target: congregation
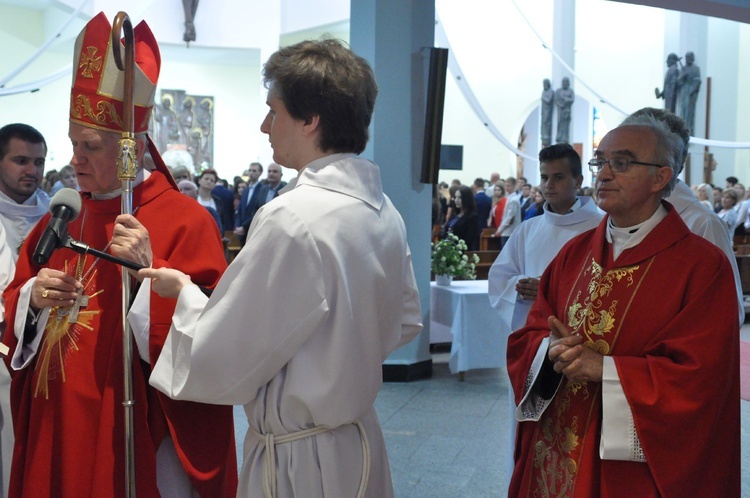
[503, 204]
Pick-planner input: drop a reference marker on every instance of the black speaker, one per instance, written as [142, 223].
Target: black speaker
[433, 125]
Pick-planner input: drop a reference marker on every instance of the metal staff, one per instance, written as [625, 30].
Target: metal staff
[126, 166]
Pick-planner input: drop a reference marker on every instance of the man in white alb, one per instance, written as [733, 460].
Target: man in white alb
[334, 247]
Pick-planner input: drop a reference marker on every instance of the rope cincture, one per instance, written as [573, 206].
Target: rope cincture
[271, 441]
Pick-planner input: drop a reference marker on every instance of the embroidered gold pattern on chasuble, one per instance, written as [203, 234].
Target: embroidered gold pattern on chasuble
[595, 311]
[61, 338]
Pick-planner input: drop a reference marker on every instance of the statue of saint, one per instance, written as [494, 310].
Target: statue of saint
[204, 119]
[167, 127]
[689, 83]
[186, 117]
[548, 101]
[669, 94]
[564, 98]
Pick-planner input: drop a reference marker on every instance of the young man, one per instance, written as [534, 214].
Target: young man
[22, 204]
[22, 201]
[514, 276]
[67, 391]
[619, 358]
[332, 244]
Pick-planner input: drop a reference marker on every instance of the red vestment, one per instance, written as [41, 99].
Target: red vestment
[67, 403]
[667, 314]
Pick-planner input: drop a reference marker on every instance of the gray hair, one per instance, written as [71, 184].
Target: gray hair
[673, 122]
[669, 146]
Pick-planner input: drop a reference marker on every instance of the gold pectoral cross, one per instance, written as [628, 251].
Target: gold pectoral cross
[81, 302]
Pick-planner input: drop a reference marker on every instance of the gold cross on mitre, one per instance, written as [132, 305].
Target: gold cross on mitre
[90, 62]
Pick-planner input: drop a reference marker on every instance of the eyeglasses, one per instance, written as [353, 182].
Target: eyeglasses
[617, 164]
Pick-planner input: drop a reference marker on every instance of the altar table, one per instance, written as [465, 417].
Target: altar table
[461, 314]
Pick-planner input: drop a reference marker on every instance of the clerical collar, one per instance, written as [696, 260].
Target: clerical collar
[576, 205]
[623, 238]
[140, 177]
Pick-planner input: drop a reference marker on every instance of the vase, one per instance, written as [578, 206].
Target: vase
[443, 279]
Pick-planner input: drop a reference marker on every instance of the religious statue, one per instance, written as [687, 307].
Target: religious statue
[184, 122]
[166, 125]
[186, 118]
[564, 98]
[190, 7]
[689, 83]
[548, 101]
[204, 117]
[669, 94]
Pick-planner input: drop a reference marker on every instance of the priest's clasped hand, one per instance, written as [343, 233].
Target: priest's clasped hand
[570, 356]
[53, 288]
[527, 287]
[130, 241]
[167, 282]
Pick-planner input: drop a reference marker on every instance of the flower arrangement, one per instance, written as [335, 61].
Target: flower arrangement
[448, 258]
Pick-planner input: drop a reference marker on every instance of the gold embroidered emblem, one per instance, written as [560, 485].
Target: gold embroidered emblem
[105, 113]
[588, 316]
[61, 339]
[90, 62]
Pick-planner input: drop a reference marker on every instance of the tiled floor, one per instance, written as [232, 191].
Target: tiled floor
[449, 439]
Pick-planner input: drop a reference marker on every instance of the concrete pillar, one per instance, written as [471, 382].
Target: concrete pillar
[391, 35]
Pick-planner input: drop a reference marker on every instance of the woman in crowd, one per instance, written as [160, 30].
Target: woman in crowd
[537, 204]
[451, 211]
[705, 194]
[498, 205]
[206, 183]
[239, 186]
[465, 222]
[728, 214]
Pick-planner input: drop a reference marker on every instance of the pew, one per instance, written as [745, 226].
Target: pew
[486, 258]
[489, 243]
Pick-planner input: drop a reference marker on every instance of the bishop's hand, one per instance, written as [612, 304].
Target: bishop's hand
[130, 240]
[53, 288]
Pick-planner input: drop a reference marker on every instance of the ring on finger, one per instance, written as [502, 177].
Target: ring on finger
[45, 293]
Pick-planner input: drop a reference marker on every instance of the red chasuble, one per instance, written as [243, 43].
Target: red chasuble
[667, 313]
[67, 404]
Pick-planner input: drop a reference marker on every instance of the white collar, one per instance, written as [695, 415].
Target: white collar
[623, 238]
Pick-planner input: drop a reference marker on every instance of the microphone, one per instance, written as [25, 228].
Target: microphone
[65, 206]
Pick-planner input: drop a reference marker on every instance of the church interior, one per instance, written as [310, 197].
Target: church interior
[446, 433]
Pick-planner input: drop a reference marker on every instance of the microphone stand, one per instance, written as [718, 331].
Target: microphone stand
[83, 248]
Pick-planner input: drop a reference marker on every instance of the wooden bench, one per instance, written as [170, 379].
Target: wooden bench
[232, 245]
[489, 243]
[486, 258]
[741, 240]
